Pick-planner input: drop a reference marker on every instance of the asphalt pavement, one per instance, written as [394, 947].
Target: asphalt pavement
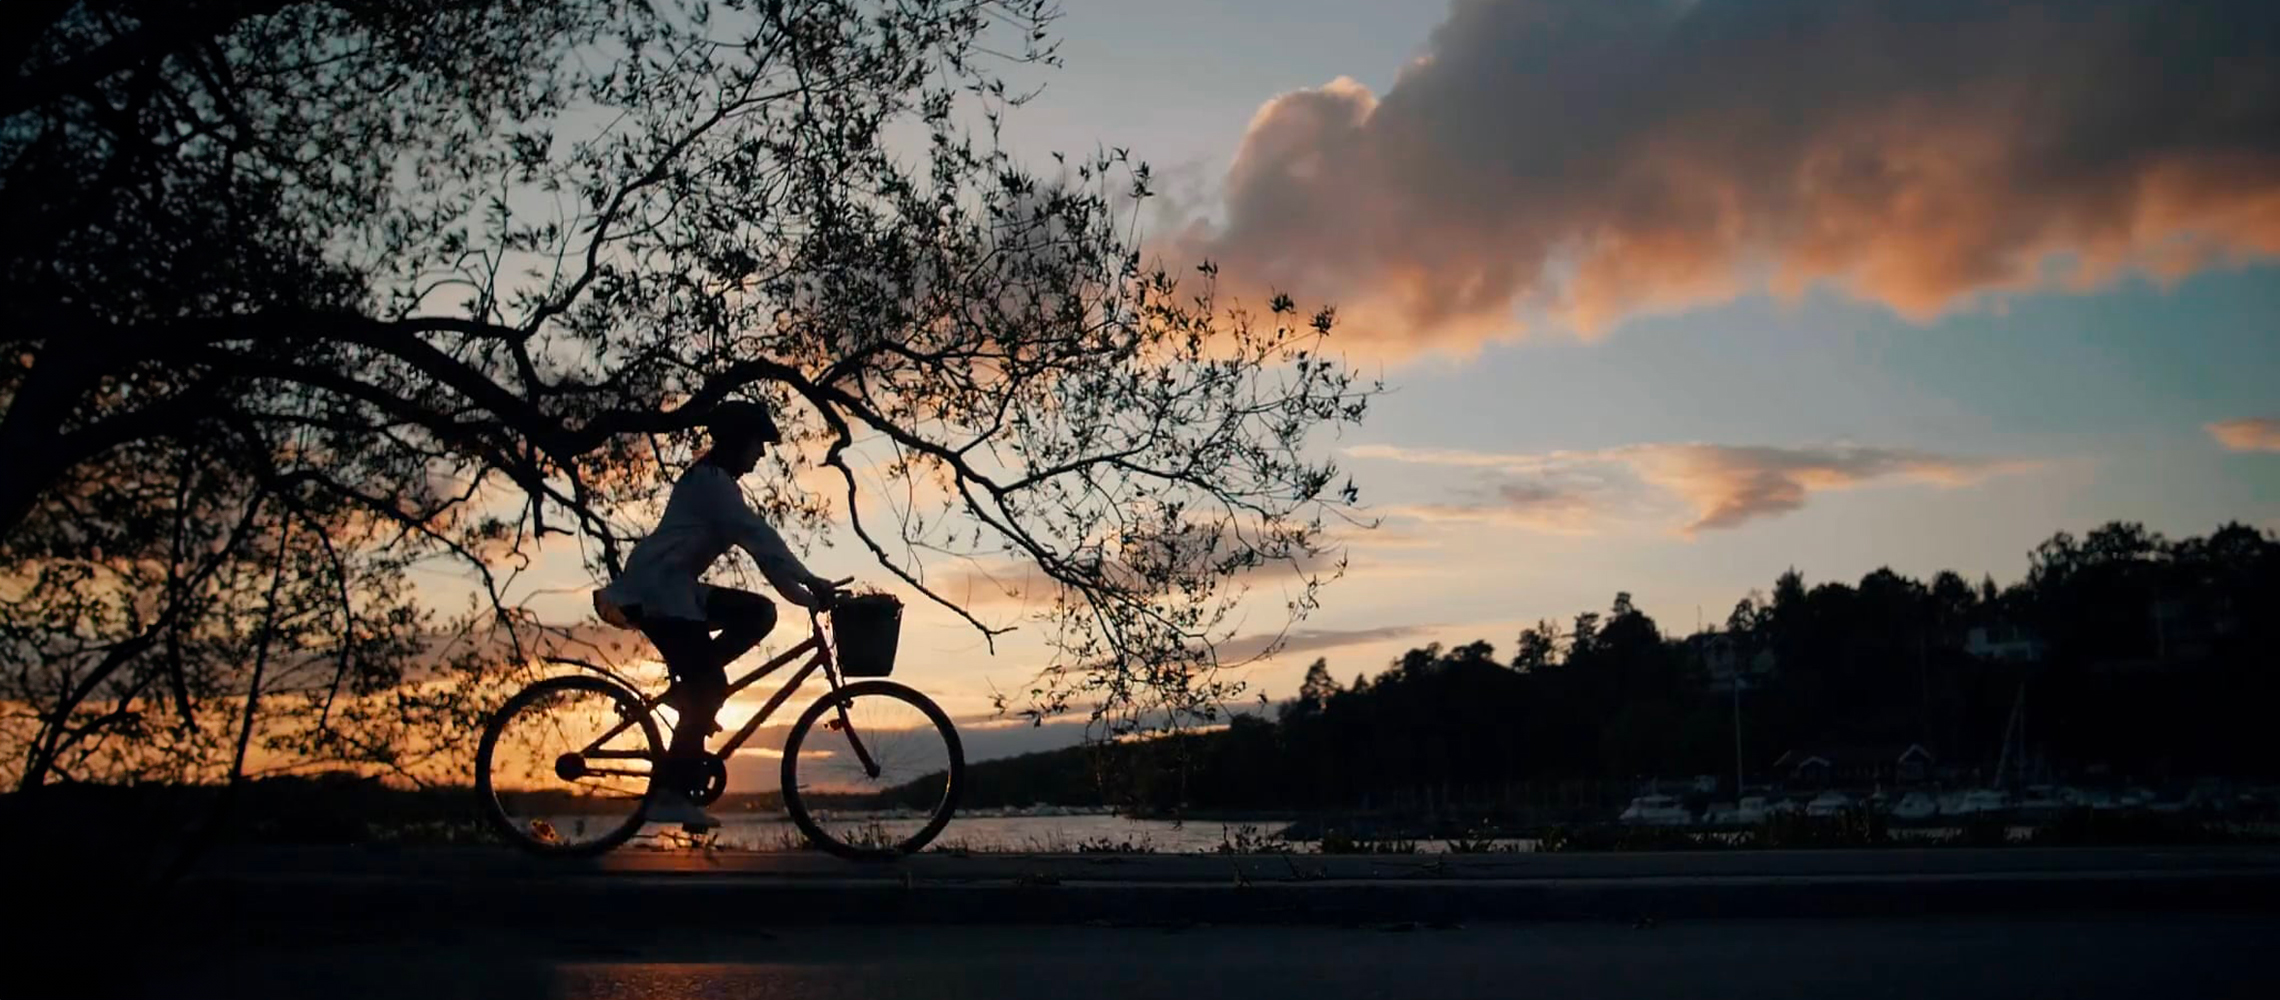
[428, 924]
[484, 862]
[2079, 957]
[796, 889]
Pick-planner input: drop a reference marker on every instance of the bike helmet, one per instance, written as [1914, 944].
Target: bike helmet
[742, 420]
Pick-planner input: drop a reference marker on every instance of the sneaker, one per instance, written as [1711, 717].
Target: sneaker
[674, 807]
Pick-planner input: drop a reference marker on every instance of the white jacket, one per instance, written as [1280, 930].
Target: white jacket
[705, 515]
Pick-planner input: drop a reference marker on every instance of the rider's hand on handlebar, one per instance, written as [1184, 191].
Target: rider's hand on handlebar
[828, 592]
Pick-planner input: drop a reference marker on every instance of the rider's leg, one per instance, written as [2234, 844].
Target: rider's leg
[699, 662]
[687, 649]
[743, 618]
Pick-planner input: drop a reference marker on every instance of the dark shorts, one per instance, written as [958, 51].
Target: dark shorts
[697, 660]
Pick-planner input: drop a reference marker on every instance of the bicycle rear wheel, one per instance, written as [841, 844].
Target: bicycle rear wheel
[872, 771]
[564, 767]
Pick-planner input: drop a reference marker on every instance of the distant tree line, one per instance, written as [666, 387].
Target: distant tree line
[2131, 656]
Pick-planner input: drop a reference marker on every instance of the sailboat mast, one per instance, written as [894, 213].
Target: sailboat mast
[2012, 728]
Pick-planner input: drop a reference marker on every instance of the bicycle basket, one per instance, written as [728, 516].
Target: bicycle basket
[867, 628]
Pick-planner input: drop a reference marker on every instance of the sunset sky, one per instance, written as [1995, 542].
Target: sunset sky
[1672, 296]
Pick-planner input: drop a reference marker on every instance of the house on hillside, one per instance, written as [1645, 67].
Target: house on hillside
[2188, 628]
[1844, 767]
[1720, 659]
[2005, 642]
[2180, 630]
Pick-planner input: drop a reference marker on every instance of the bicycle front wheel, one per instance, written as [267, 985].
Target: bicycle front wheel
[564, 767]
[872, 771]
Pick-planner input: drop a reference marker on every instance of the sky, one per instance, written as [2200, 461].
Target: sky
[1673, 295]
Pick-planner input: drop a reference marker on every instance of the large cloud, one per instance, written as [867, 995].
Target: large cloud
[2248, 434]
[1309, 640]
[1562, 498]
[1725, 485]
[1010, 581]
[1590, 159]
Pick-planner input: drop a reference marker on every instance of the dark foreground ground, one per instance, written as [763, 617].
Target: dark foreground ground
[426, 924]
[2081, 956]
[395, 888]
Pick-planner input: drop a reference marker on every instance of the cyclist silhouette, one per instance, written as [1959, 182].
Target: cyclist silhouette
[661, 595]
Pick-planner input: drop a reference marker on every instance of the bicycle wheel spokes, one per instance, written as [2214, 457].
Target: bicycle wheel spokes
[872, 769]
[569, 769]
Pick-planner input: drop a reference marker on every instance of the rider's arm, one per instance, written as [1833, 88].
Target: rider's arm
[756, 536]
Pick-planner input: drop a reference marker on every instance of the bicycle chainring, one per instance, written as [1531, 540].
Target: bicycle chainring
[712, 776]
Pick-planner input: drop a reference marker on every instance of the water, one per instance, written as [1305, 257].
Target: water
[772, 832]
[1068, 834]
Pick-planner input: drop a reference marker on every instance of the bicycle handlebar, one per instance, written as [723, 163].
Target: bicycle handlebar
[825, 600]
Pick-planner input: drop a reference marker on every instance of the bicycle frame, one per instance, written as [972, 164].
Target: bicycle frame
[816, 647]
[819, 650]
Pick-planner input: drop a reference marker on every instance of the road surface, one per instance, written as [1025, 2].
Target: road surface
[494, 887]
[496, 863]
[2081, 957]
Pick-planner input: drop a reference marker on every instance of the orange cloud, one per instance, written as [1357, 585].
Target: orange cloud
[1725, 485]
[2248, 434]
[1730, 485]
[1589, 160]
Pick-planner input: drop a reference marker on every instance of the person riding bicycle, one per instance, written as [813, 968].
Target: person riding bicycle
[661, 595]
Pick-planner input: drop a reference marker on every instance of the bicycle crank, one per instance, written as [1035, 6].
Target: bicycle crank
[712, 780]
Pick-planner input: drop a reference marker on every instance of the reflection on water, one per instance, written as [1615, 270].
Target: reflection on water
[1070, 834]
[772, 832]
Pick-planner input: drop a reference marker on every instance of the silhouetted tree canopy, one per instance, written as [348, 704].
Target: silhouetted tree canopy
[297, 297]
[2160, 665]
[1314, 692]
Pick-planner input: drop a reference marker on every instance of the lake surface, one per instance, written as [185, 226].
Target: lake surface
[1071, 834]
[1042, 834]
[748, 831]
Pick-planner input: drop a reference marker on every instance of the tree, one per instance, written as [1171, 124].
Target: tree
[1626, 624]
[1435, 722]
[1585, 638]
[1622, 605]
[1789, 592]
[1748, 617]
[1476, 652]
[1314, 692]
[1953, 603]
[1418, 662]
[346, 288]
[1539, 647]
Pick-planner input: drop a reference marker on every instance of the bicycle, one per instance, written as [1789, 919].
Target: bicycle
[883, 744]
